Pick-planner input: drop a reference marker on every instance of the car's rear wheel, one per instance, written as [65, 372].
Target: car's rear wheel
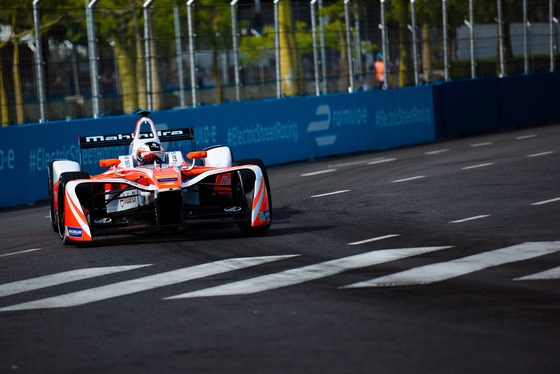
[54, 221]
[62, 181]
[248, 179]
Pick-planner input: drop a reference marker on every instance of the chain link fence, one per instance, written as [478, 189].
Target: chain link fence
[114, 57]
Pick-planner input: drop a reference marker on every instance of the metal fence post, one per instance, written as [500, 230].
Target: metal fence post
[315, 57]
[235, 39]
[39, 62]
[525, 38]
[191, 52]
[349, 46]
[501, 39]
[445, 41]
[277, 49]
[323, 50]
[358, 44]
[551, 32]
[179, 58]
[471, 36]
[414, 41]
[148, 53]
[92, 48]
[384, 48]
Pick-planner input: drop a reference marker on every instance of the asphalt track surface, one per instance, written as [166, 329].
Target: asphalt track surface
[438, 258]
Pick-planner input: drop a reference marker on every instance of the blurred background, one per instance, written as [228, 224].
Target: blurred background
[62, 60]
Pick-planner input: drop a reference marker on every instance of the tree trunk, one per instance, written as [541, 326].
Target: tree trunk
[406, 71]
[290, 64]
[426, 53]
[127, 79]
[3, 99]
[216, 75]
[18, 93]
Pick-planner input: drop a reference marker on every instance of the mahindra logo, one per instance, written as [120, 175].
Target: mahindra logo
[103, 221]
[144, 135]
[232, 209]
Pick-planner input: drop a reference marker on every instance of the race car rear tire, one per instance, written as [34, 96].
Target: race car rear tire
[62, 181]
[246, 178]
[54, 221]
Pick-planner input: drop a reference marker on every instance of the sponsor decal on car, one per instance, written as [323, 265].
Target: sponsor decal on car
[74, 232]
[166, 178]
[264, 215]
[232, 209]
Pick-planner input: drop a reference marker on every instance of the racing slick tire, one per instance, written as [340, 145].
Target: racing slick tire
[247, 178]
[62, 181]
[54, 221]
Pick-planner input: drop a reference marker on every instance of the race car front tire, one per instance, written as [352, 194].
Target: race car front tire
[62, 181]
[247, 178]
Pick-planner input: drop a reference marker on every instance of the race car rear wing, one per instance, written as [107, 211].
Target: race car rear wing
[97, 141]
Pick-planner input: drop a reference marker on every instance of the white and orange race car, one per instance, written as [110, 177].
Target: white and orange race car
[153, 189]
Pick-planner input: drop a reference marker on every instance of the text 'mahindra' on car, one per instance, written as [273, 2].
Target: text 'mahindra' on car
[150, 188]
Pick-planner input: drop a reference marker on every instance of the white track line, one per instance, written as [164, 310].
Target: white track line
[408, 179]
[60, 278]
[20, 252]
[523, 137]
[462, 266]
[330, 193]
[477, 166]
[317, 172]
[374, 239]
[146, 283]
[437, 151]
[480, 144]
[381, 161]
[469, 219]
[307, 273]
[547, 201]
[541, 154]
[547, 274]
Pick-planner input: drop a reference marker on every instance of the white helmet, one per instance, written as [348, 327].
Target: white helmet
[150, 152]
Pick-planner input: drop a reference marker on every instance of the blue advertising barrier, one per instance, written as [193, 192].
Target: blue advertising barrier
[277, 131]
[490, 104]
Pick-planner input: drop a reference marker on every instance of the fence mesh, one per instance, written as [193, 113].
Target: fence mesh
[344, 52]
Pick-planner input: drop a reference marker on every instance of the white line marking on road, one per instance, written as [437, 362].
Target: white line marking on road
[317, 172]
[541, 154]
[408, 179]
[480, 144]
[381, 161]
[374, 239]
[547, 274]
[547, 201]
[523, 137]
[477, 166]
[330, 193]
[145, 283]
[470, 219]
[437, 151]
[60, 278]
[20, 252]
[462, 266]
[307, 273]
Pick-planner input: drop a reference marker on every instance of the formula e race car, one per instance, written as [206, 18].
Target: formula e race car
[153, 189]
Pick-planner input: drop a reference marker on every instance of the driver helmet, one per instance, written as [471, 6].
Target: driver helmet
[149, 153]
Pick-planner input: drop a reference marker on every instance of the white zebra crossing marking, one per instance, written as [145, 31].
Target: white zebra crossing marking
[60, 278]
[307, 273]
[144, 284]
[461, 266]
[547, 274]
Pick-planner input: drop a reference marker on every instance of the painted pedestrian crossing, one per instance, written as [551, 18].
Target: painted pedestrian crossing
[427, 274]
